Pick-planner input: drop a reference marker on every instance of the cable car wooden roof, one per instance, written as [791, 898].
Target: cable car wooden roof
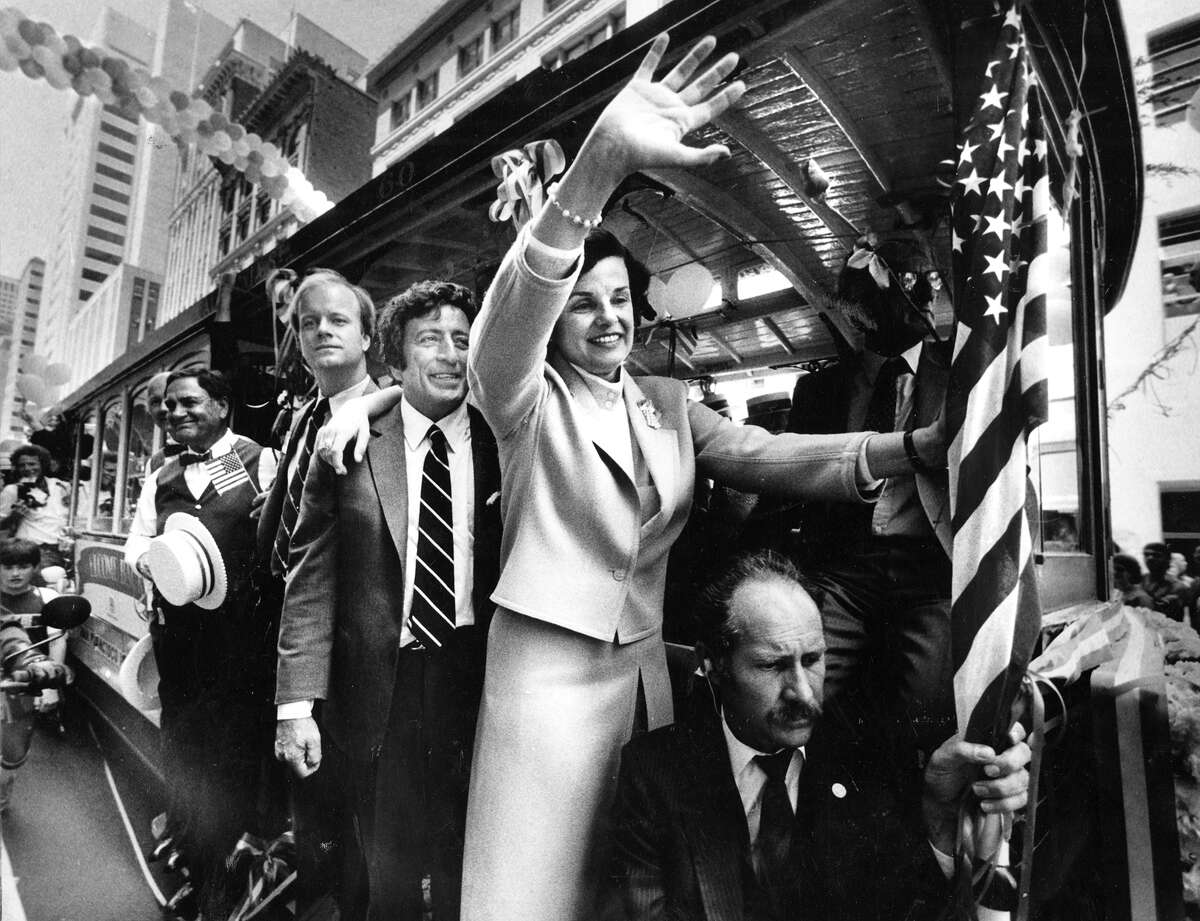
[869, 89]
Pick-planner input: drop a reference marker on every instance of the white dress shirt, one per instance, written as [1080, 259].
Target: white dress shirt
[751, 779]
[145, 520]
[457, 429]
[609, 421]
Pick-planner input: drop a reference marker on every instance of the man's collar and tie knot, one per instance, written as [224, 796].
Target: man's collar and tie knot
[776, 766]
[187, 458]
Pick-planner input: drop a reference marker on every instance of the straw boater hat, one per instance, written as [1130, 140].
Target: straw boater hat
[186, 565]
[138, 677]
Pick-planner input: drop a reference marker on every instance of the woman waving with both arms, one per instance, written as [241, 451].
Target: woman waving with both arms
[598, 470]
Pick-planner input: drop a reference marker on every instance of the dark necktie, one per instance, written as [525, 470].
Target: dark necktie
[776, 821]
[305, 438]
[187, 458]
[881, 411]
[173, 448]
[431, 617]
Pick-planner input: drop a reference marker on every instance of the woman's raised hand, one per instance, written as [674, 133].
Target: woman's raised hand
[645, 123]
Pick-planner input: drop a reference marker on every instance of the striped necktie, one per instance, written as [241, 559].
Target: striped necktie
[306, 438]
[431, 617]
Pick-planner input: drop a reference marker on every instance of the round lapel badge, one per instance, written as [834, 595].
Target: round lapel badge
[838, 790]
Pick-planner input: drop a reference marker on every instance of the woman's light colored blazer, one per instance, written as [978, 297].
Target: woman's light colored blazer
[575, 550]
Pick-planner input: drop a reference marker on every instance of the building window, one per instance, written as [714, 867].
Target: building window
[552, 5]
[118, 197]
[111, 151]
[93, 275]
[113, 110]
[114, 174]
[582, 44]
[113, 216]
[1175, 65]
[470, 55]
[117, 133]
[154, 291]
[101, 256]
[107, 236]
[1180, 505]
[504, 29]
[427, 90]
[1179, 243]
[401, 109]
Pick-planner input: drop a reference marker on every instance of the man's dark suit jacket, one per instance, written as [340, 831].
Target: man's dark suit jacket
[681, 849]
[821, 404]
[340, 635]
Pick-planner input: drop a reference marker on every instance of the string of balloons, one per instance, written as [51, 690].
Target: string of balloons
[64, 62]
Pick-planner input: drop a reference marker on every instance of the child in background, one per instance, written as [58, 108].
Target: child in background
[16, 728]
[21, 605]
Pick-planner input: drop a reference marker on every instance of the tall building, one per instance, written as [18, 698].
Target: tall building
[8, 300]
[468, 51]
[18, 345]
[116, 194]
[1153, 335]
[295, 90]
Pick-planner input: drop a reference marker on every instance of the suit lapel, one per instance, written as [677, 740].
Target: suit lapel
[714, 821]
[386, 460]
[659, 446]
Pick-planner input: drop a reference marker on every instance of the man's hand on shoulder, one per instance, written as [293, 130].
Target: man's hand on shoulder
[143, 567]
[298, 744]
[998, 782]
[256, 505]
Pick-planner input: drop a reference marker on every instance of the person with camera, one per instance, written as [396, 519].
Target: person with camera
[36, 507]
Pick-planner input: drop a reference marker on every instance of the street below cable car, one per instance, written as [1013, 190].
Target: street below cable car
[75, 832]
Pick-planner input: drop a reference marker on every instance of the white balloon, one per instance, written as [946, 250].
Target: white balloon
[688, 290]
[57, 374]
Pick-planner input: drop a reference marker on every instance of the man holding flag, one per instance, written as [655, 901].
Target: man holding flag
[215, 691]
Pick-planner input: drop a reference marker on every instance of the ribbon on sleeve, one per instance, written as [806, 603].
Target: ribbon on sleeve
[524, 174]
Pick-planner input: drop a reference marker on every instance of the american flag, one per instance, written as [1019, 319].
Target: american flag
[997, 393]
[227, 472]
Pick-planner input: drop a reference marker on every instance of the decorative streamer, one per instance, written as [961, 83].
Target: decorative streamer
[64, 62]
[524, 175]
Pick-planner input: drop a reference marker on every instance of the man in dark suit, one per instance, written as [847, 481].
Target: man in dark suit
[386, 610]
[885, 568]
[333, 321]
[762, 803]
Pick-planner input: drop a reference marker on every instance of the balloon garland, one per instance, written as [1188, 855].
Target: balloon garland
[64, 62]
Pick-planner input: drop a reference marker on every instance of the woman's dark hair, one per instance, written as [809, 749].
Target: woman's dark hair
[1132, 569]
[716, 630]
[601, 244]
[16, 551]
[418, 300]
[43, 456]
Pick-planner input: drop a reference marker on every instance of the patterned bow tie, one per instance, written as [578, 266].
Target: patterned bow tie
[190, 457]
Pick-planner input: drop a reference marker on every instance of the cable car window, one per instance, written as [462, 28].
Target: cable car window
[106, 477]
[1054, 455]
[141, 446]
[81, 513]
